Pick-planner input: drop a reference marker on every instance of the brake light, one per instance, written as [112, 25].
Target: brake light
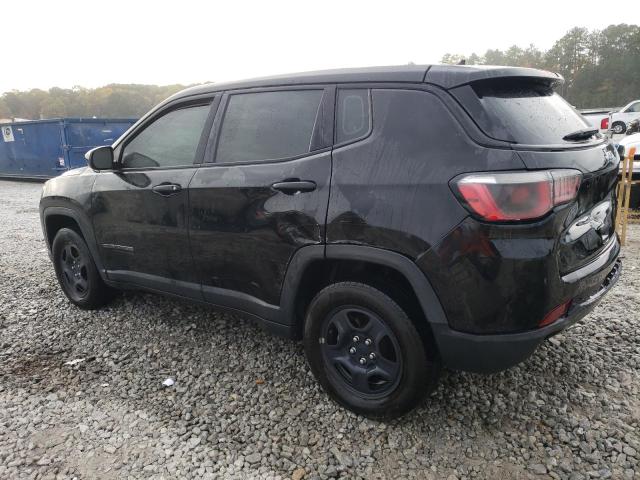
[558, 312]
[512, 196]
[604, 123]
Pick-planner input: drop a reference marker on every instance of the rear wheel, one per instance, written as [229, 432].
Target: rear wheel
[76, 272]
[618, 127]
[365, 352]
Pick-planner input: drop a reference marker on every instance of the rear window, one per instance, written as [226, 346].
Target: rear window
[530, 113]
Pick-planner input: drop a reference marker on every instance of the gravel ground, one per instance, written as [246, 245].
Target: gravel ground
[244, 404]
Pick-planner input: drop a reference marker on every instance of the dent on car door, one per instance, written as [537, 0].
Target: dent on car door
[140, 209]
[266, 194]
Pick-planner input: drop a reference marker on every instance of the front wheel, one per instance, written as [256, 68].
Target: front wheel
[365, 352]
[77, 273]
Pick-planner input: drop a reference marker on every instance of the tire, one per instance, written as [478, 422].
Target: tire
[340, 321]
[77, 273]
[618, 128]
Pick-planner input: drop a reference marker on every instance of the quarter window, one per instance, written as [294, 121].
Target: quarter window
[268, 125]
[169, 141]
[353, 114]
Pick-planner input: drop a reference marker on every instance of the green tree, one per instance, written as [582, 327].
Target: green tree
[53, 108]
[474, 59]
[116, 100]
[5, 111]
[452, 58]
[494, 57]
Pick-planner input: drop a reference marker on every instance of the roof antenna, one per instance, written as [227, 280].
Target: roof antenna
[462, 62]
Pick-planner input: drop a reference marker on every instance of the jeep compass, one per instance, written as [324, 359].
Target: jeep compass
[396, 219]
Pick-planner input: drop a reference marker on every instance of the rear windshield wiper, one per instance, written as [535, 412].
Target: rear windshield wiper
[581, 134]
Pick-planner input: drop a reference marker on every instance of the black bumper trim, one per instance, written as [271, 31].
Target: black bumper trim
[493, 353]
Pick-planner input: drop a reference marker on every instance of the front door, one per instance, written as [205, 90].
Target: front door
[140, 209]
[262, 192]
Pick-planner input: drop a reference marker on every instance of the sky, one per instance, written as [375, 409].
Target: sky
[93, 43]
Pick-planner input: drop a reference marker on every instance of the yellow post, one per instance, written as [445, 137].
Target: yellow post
[621, 196]
[624, 194]
[627, 196]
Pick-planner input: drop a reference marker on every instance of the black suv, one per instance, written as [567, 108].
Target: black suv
[397, 219]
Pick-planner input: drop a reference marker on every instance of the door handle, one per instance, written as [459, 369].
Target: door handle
[167, 189]
[291, 187]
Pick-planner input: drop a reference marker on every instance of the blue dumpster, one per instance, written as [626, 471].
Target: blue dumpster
[42, 149]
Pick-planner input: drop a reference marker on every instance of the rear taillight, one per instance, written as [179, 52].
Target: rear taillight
[604, 123]
[511, 196]
[555, 314]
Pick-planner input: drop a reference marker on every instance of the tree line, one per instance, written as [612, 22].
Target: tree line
[601, 67]
[117, 100]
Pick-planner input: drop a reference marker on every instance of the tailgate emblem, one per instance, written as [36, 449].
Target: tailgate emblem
[595, 220]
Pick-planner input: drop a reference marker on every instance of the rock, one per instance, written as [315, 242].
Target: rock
[331, 471]
[538, 469]
[298, 474]
[629, 451]
[342, 458]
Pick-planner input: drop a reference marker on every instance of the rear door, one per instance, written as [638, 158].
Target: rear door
[140, 209]
[262, 192]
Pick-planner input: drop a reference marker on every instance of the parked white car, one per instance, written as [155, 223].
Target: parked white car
[628, 142]
[622, 117]
[597, 118]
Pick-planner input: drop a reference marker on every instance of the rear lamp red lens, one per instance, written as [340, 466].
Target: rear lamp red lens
[512, 196]
[565, 185]
[604, 124]
[555, 314]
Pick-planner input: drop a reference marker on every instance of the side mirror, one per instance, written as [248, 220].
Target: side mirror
[100, 158]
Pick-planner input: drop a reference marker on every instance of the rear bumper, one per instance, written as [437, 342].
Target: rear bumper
[492, 353]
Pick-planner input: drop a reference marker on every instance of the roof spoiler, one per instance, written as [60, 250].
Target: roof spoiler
[446, 77]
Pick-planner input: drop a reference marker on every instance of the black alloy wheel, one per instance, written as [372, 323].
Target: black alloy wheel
[74, 271]
[365, 351]
[361, 351]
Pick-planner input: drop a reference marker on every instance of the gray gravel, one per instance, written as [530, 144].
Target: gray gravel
[244, 404]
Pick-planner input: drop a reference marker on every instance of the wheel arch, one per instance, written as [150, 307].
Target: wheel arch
[56, 221]
[311, 269]
[56, 217]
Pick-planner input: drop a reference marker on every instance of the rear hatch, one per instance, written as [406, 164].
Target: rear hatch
[547, 134]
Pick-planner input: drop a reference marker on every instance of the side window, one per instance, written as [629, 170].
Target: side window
[635, 108]
[170, 141]
[268, 125]
[352, 115]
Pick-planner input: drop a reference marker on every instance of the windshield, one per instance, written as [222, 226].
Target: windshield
[524, 112]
